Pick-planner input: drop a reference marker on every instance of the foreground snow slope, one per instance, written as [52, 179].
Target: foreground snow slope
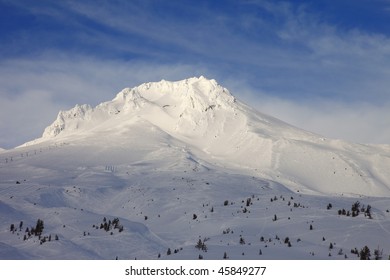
[181, 161]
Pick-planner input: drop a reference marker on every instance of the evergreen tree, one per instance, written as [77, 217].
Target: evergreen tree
[378, 254]
[39, 227]
[199, 245]
[262, 239]
[368, 211]
[365, 253]
[355, 209]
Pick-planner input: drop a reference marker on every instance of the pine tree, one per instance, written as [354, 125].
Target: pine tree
[262, 239]
[355, 208]
[378, 254]
[199, 245]
[365, 253]
[39, 227]
[368, 211]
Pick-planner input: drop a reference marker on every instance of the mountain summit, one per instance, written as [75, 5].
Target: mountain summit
[176, 102]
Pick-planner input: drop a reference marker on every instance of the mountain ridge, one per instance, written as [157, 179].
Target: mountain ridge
[184, 93]
[199, 94]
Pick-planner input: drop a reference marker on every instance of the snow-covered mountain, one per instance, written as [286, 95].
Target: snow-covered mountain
[207, 119]
[176, 162]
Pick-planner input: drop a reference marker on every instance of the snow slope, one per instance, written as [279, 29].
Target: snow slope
[181, 161]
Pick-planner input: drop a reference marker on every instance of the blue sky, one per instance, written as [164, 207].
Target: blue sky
[318, 64]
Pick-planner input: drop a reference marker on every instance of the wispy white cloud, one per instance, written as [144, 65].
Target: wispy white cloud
[356, 122]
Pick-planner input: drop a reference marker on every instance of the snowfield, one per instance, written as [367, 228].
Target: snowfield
[183, 170]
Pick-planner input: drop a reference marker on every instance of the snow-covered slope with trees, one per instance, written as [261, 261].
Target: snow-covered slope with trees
[164, 165]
